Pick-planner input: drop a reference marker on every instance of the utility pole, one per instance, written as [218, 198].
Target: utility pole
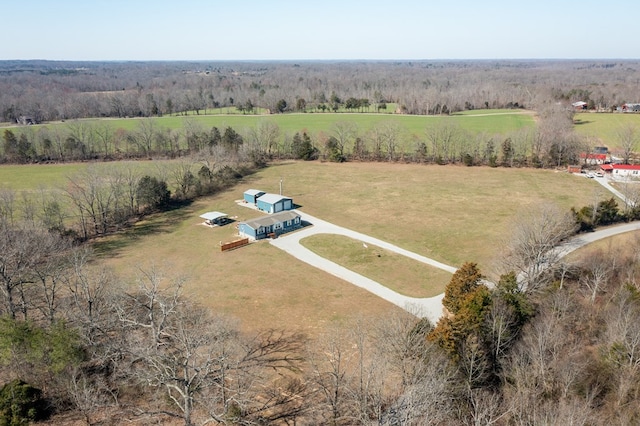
[280, 186]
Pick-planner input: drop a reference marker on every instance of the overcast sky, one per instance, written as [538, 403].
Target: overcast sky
[319, 29]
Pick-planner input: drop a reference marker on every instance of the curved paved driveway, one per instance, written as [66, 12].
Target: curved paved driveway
[422, 307]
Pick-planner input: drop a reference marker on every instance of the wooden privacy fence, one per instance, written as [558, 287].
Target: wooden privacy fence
[234, 244]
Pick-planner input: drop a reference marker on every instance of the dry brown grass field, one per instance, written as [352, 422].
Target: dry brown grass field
[399, 273]
[453, 214]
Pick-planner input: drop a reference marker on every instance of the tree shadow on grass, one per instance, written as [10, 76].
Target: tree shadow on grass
[580, 122]
[162, 222]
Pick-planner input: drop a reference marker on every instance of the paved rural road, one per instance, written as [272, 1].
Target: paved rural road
[422, 307]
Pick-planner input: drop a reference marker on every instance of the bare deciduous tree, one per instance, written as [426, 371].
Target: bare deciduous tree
[597, 268]
[344, 133]
[530, 252]
[628, 137]
[202, 362]
[443, 138]
[22, 249]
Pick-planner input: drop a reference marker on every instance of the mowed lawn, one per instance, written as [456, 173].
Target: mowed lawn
[453, 214]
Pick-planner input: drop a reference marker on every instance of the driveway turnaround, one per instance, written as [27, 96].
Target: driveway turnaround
[431, 307]
[422, 307]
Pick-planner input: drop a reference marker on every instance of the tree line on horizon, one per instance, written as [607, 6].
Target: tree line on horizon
[50, 91]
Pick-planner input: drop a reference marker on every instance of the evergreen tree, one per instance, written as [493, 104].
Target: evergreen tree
[152, 193]
[215, 138]
[302, 147]
[10, 145]
[464, 281]
[231, 139]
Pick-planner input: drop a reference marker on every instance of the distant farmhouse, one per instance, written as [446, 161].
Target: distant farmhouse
[592, 158]
[579, 106]
[629, 107]
[600, 150]
[622, 170]
[26, 120]
[270, 226]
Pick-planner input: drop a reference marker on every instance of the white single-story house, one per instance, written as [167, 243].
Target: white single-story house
[622, 170]
[274, 203]
[272, 225]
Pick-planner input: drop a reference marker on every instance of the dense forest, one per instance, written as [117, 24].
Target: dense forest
[554, 341]
[48, 91]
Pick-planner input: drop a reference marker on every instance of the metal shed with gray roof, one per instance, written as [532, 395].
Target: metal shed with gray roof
[274, 203]
[252, 195]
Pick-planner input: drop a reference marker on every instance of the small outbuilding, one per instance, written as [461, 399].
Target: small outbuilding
[270, 226]
[251, 195]
[274, 203]
[215, 218]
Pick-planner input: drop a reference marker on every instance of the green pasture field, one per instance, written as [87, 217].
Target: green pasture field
[314, 123]
[453, 214]
[412, 126]
[31, 177]
[603, 128]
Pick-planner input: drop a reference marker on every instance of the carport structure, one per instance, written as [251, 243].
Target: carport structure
[214, 218]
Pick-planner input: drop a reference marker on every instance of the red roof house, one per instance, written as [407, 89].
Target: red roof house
[592, 158]
[622, 170]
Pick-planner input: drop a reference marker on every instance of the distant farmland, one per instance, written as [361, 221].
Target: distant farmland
[411, 128]
[490, 121]
[603, 128]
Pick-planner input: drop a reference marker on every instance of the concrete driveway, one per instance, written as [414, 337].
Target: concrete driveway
[431, 307]
[421, 307]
